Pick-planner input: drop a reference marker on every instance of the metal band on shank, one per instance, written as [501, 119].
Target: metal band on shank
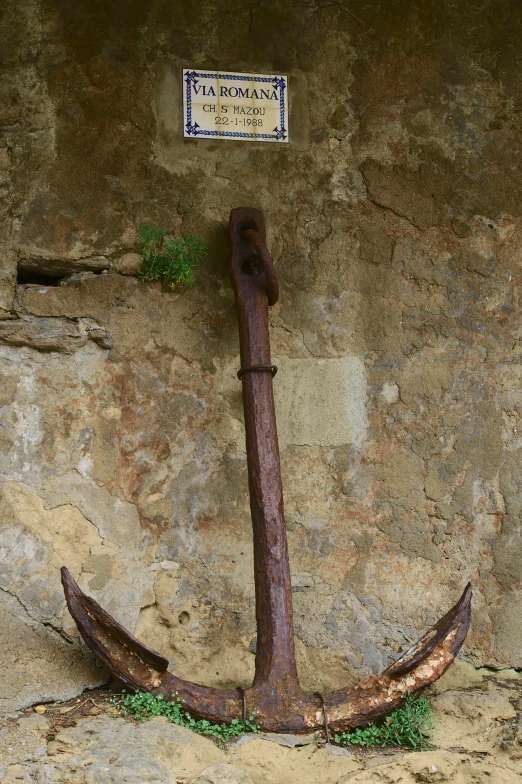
[271, 368]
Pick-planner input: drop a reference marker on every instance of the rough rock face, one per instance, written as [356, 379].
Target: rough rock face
[394, 221]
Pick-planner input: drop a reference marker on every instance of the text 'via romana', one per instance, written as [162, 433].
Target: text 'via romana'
[257, 94]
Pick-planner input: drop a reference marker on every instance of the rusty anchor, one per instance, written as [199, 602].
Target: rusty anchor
[275, 696]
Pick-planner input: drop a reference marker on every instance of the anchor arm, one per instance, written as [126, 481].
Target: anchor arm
[134, 664]
[142, 669]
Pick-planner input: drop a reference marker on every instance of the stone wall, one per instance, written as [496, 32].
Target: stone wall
[394, 220]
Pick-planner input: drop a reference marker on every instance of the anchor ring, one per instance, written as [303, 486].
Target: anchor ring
[271, 368]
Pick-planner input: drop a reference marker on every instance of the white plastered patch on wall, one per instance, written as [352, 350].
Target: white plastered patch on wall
[321, 401]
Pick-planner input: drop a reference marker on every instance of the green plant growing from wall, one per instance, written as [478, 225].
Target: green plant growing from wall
[170, 260]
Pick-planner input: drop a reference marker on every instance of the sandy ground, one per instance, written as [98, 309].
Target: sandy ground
[478, 739]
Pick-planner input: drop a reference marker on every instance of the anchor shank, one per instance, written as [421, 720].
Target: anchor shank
[254, 284]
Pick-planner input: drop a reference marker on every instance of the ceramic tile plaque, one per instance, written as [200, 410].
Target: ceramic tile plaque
[235, 106]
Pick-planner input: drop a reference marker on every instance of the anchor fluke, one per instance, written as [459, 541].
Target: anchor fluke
[458, 617]
[101, 632]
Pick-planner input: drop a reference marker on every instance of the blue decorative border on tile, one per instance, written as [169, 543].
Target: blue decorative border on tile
[194, 130]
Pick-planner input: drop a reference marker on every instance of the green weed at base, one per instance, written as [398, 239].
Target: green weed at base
[410, 726]
[143, 705]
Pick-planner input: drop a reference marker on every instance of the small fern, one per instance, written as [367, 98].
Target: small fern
[410, 726]
[171, 260]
